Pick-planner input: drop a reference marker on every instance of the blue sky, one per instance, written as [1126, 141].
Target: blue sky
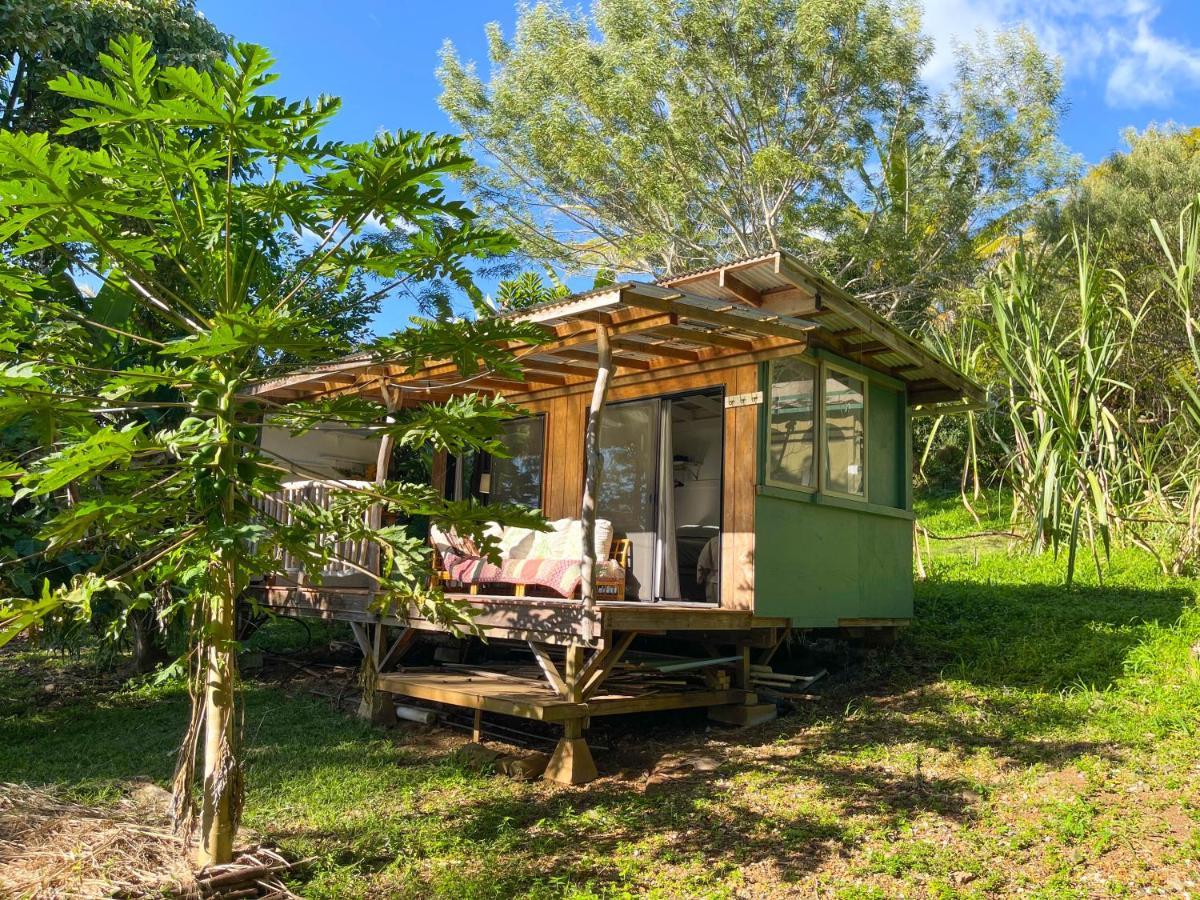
[1126, 62]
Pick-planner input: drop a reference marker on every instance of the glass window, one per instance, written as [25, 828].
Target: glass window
[845, 434]
[517, 478]
[791, 450]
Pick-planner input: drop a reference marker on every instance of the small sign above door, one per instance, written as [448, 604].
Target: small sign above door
[736, 400]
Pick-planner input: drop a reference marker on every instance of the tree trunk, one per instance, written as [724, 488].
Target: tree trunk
[222, 779]
[591, 482]
[148, 651]
[222, 774]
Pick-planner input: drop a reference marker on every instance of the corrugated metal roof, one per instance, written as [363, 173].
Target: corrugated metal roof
[705, 307]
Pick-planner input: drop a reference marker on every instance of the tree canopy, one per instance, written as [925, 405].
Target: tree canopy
[41, 40]
[658, 135]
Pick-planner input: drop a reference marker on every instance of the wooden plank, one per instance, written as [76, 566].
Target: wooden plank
[741, 470]
[537, 702]
[660, 617]
[873, 623]
[620, 360]
[399, 648]
[617, 705]
[514, 702]
[714, 338]
[572, 671]
[602, 662]
[360, 637]
[659, 348]
[725, 317]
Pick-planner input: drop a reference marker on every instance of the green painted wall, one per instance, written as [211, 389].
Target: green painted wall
[819, 559]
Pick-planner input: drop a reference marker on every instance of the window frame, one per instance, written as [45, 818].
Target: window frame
[820, 450]
[823, 438]
[542, 418]
[818, 410]
[455, 485]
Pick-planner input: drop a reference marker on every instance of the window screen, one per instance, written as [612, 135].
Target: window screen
[845, 434]
[791, 451]
[518, 479]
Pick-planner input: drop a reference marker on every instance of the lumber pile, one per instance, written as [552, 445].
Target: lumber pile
[765, 678]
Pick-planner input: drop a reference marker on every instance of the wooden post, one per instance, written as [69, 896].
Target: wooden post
[592, 480]
[571, 762]
[572, 672]
[387, 442]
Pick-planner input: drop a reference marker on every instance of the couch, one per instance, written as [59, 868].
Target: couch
[551, 559]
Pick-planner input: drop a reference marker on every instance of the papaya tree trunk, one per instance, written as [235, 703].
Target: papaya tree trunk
[221, 779]
[222, 773]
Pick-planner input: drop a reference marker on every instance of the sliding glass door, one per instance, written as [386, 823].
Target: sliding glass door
[628, 489]
[660, 473]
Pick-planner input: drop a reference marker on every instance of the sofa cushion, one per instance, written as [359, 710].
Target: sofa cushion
[516, 543]
[565, 541]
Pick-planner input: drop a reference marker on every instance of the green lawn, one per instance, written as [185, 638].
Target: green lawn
[1021, 738]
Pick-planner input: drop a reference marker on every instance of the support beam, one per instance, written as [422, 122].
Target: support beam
[591, 483]
[400, 647]
[600, 665]
[711, 338]
[572, 671]
[739, 288]
[546, 664]
[619, 360]
[726, 316]
[361, 638]
[657, 348]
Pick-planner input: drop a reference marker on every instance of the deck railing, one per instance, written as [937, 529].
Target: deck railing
[349, 557]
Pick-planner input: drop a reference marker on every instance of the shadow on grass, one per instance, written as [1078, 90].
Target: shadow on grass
[988, 668]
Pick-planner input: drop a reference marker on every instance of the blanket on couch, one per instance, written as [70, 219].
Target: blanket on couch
[562, 576]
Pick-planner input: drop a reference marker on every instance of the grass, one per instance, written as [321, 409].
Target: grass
[1020, 738]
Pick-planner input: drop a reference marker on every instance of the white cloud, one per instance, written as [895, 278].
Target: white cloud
[1151, 68]
[1112, 41]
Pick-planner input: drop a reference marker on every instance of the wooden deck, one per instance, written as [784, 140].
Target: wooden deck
[572, 680]
[547, 620]
[530, 698]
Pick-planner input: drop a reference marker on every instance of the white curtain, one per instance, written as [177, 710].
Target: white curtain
[666, 553]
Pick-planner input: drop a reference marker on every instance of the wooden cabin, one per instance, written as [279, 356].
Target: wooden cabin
[753, 454]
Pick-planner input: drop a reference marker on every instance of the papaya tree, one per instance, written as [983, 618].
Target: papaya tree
[166, 226]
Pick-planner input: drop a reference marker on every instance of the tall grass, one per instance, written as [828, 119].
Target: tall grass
[1055, 330]
[1058, 352]
[1180, 495]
